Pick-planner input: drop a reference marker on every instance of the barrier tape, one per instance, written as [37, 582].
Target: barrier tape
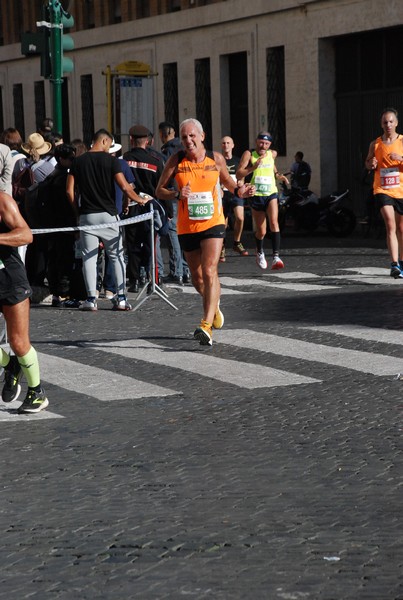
[122, 223]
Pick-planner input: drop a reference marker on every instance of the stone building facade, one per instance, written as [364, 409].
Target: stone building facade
[316, 73]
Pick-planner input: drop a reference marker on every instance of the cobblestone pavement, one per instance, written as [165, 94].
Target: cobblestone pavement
[268, 467]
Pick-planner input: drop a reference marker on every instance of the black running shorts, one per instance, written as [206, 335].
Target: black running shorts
[229, 201]
[14, 285]
[385, 200]
[261, 203]
[191, 241]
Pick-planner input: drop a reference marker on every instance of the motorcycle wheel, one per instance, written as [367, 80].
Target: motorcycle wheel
[341, 223]
[308, 216]
[282, 215]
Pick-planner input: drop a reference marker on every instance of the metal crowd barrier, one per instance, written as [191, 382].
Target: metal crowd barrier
[152, 287]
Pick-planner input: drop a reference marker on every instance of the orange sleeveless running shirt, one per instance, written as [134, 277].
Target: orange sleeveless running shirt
[203, 209]
[388, 177]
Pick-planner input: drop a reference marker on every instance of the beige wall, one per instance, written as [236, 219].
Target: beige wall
[305, 30]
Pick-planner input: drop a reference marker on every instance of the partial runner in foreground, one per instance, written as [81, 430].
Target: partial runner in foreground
[15, 293]
[201, 223]
[385, 158]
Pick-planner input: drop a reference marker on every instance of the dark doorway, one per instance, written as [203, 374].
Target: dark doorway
[369, 78]
[234, 105]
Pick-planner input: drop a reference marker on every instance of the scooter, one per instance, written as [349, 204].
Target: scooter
[304, 210]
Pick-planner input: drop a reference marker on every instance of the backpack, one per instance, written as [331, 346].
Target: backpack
[161, 221]
[36, 203]
[21, 182]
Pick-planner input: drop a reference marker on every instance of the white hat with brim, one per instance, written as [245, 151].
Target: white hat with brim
[115, 147]
[37, 143]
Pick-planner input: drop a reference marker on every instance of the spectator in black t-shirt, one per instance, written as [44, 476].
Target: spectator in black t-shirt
[59, 213]
[300, 172]
[95, 173]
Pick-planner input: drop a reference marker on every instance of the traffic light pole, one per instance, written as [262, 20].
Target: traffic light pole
[56, 52]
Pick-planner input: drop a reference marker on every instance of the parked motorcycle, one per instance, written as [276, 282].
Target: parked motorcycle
[306, 211]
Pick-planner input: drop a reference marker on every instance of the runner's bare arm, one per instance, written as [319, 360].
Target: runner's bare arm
[162, 191]
[244, 167]
[19, 234]
[371, 162]
[243, 191]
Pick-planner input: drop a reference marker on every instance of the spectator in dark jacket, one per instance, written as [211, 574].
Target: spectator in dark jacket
[178, 269]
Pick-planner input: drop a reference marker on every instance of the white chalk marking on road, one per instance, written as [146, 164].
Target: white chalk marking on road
[293, 275]
[365, 362]
[371, 334]
[241, 374]
[296, 287]
[99, 383]
[224, 291]
[368, 280]
[368, 271]
[368, 275]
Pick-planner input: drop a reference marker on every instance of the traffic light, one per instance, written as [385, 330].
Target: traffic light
[60, 41]
[67, 42]
[34, 44]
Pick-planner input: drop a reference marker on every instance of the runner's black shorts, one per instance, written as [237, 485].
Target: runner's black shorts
[14, 285]
[262, 202]
[191, 241]
[385, 200]
[229, 201]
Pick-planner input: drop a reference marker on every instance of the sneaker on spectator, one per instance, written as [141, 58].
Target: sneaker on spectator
[71, 303]
[89, 304]
[57, 301]
[261, 260]
[120, 304]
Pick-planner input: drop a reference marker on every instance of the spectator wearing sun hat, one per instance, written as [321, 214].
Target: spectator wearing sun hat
[38, 157]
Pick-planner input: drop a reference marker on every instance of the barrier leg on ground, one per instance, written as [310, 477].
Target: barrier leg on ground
[152, 287]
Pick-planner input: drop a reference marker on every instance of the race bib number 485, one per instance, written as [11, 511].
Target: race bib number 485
[200, 206]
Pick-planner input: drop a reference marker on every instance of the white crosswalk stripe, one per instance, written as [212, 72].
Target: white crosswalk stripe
[299, 281]
[8, 413]
[364, 275]
[371, 334]
[365, 362]
[241, 374]
[262, 283]
[99, 383]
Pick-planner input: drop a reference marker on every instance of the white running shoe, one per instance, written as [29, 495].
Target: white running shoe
[121, 304]
[261, 260]
[277, 263]
[88, 305]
